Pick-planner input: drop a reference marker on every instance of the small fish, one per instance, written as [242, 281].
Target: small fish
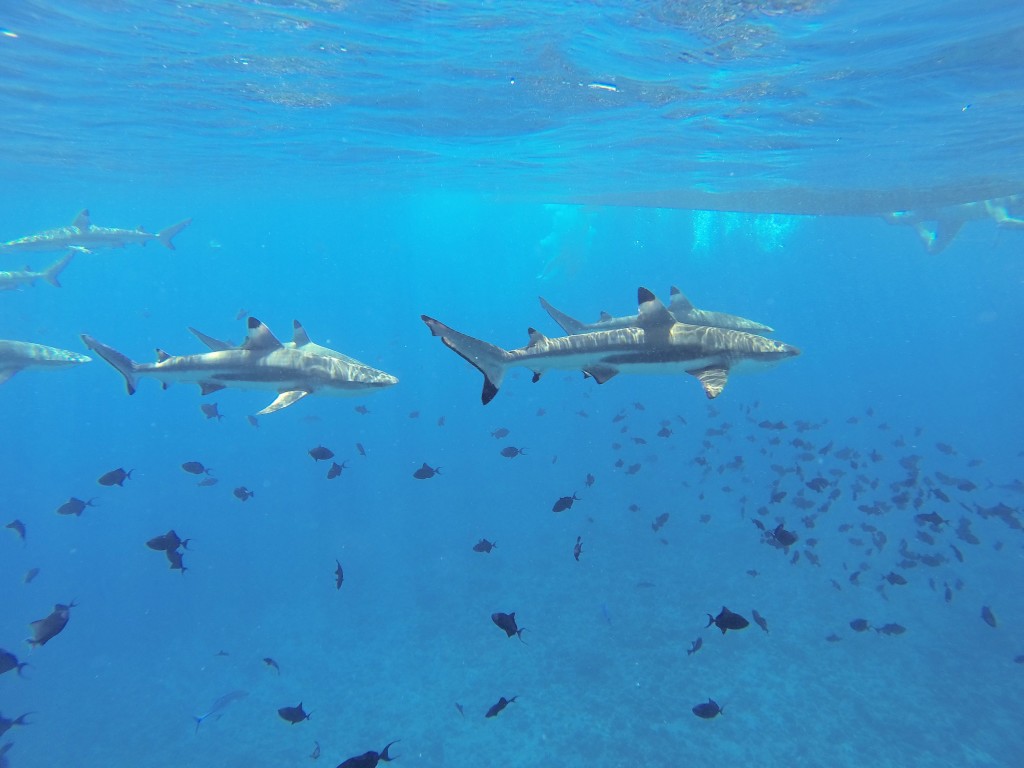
[218, 707]
[894, 578]
[500, 433]
[659, 521]
[293, 714]
[891, 629]
[988, 617]
[932, 518]
[30, 574]
[860, 625]
[426, 472]
[253, 421]
[9, 661]
[510, 452]
[414, 414]
[833, 638]
[362, 410]
[211, 412]
[459, 707]
[195, 468]
[6, 725]
[174, 557]
[564, 503]
[315, 754]
[760, 620]
[507, 622]
[242, 493]
[783, 537]
[336, 469]
[695, 646]
[271, 663]
[578, 548]
[708, 710]
[484, 545]
[115, 477]
[369, 759]
[726, 620]
[440, 421]
[359, 447]
[45, 629]
[494, 710]
[206, 482]
[165, 541]
[339, 575]
[320, 453]
[590, 480]
[18, 527]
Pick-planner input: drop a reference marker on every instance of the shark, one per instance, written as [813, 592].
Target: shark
[300, 341]
[678, 305]
[17, 356]
[10, 281]
[84, 236]
[657, 343]
[261, 362]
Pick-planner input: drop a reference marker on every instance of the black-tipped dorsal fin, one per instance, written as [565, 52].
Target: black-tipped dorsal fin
[679, 301]
[652, 312]
[536, 337]
[260, 337]
[82, 219]
[300, 337]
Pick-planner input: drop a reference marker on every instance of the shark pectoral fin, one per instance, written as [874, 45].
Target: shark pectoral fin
[209, 387]
[82, 219]
[713, 379]
[260, 337]
[601, 373]
[283, 401]
[6, 374]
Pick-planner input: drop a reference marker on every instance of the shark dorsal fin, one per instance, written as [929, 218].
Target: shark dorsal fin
[605, 315]
[301, 338]
[161, 355]
[215, 344]
[679, 301]
[260, 337]
[536, 337]
[82, 219]
[652, 312]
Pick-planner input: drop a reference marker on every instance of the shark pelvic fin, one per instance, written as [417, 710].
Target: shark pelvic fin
[82, 219]
[7, 373]
[713, 379]
[601, 373]
[260, 337]
[283, 401]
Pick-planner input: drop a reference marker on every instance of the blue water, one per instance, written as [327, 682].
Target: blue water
[354, 168]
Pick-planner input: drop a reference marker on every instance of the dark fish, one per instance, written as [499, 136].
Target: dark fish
[210, 411]
[818, 484]
[894, 578]
[362, 410]
[564, 503]
[336, 469]
[115, 477]
[174, 558]
[708, 710]
[507, 622]
[778, 496]
[784, 537]
[18, 527]
[494, 710]
[218, 707]
[659, 521]
[987, 616]
[6, 724]
[320, 453]
[461, 710]
[510, 452]
[165, 541]
[440, 421]
[578, 548]
[891, 629]
[695, 646]
[590, 480]
[293, 714]
[726, 619]
[369, 759]
[359, 447]
[315, 754]
[30, 574]
[271, 663]
[9, 661]
[339, 575]
[499, 433]
[242, 493]
[957, 552]
[414, 414]
[484, 546]
[44, 630]
[833, 638]
[760, 620]
[932, 518]
[206, 482]
[195, 468]
[253, 421]
[426, 472]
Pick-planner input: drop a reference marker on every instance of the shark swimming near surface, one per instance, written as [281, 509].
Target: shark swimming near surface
[84, 236]
[11, 281]
[680, 307]
[656, 344]
[261, 362]
[17, 356]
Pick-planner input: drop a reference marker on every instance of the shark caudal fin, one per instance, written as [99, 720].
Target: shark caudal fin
[124, 365]
[486, 358]
[569, 324]
[166, 236]
[51, 273]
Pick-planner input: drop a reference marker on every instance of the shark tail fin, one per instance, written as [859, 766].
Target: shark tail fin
[569, 324]
[53, 271]
[486, 358]
[166, 236]
[124, 365]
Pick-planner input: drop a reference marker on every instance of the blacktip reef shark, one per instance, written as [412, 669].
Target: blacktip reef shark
[300, 341]
[17, 356]
[261, 362]
[656, 344]
[678, 305]
[11, 281]
[82, 235]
